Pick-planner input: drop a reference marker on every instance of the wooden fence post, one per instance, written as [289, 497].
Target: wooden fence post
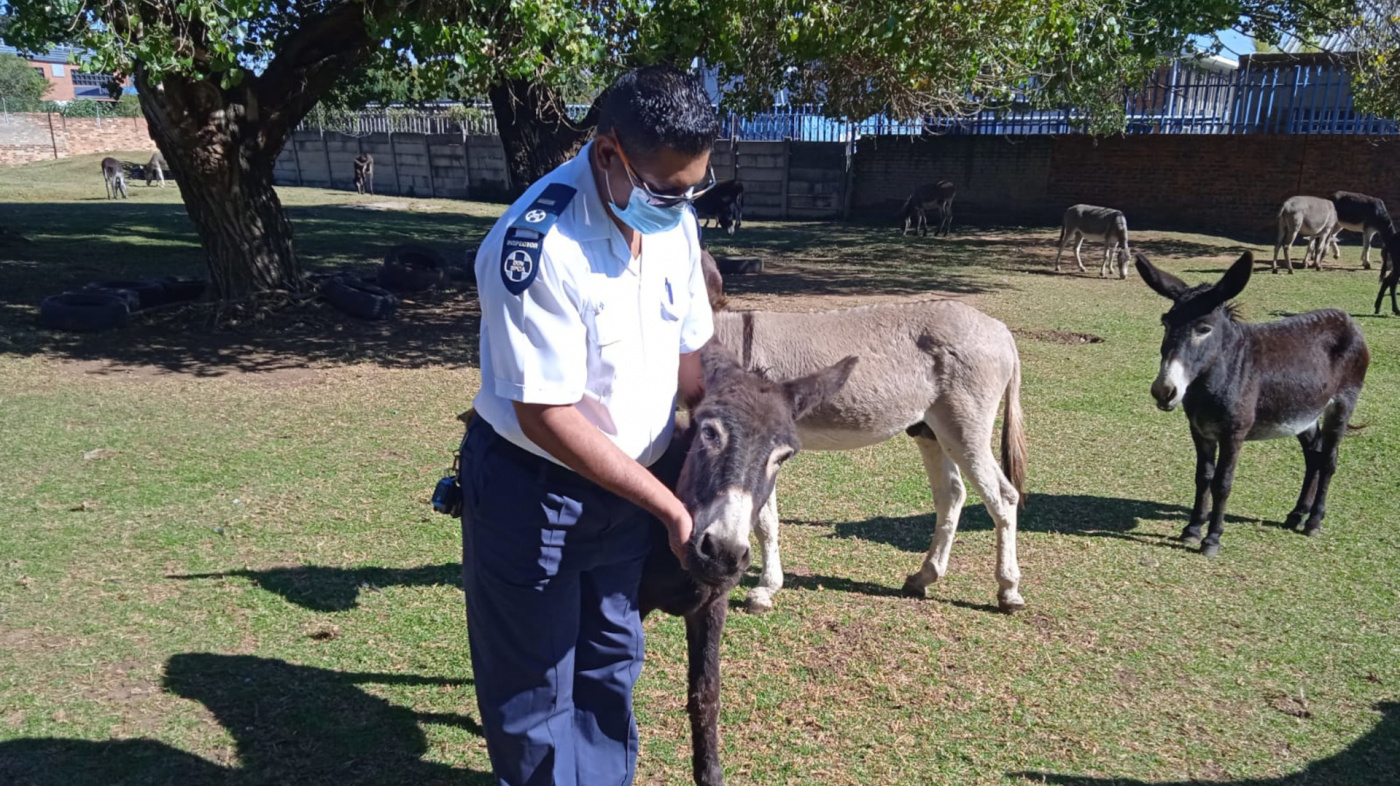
[393, 153]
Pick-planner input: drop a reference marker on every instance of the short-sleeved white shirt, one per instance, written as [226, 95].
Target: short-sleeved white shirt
[596, 328]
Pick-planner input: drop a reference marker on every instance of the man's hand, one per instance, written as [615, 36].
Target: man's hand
[678, 532]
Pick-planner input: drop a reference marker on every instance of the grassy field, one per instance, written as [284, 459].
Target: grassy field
[247, 586]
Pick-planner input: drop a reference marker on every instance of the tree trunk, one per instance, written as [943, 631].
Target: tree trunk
[535, 130]
[222, 158]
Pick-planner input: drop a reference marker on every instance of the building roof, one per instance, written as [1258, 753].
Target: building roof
[58, 54]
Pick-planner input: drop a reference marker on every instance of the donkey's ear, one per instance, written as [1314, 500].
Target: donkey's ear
[716, 361]
[809, 392]
[1232, 283]
[1162, 282]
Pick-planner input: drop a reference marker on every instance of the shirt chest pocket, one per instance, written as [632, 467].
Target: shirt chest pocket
[611, 335]
[675, 303]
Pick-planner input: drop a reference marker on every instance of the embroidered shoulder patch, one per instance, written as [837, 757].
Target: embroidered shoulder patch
[521, 251]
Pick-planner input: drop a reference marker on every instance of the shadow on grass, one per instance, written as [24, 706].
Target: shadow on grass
[290, 724]
[1070, 514]
[103, 241]
[321, 588]
[1363, 763]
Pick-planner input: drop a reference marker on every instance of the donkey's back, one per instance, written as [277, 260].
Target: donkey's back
[911, 355]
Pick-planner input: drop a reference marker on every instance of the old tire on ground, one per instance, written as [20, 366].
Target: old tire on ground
[148, 293]
[359, 298]
[84, 311]
[184, 290]
[412, 268]
[737, 266]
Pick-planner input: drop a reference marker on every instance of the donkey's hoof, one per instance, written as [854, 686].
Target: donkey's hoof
[759, 602]
[1294, 520]
[1189, 539]
[1010, 604]
[1210, 549]
[1313, 529]
[914, 588]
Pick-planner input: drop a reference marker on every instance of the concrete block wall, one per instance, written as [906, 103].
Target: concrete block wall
[418, 165]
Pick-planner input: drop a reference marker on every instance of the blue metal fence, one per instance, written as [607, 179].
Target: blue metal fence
[1181, 99]
[1305, 98]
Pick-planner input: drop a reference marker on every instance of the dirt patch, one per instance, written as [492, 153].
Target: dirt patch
[1060, 336]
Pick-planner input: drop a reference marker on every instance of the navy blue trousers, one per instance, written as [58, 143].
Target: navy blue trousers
[551, 565]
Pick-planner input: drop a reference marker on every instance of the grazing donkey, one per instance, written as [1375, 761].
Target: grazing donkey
[155, 169]
[724, 203]
[1089, 222]
[914, 213]
[113, 178]
[364, 173]
[1312, 217]
[935, 370]
[1364, 214]
[1296, 377]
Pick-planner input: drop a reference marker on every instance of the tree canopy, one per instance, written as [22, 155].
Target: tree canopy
[21, 86]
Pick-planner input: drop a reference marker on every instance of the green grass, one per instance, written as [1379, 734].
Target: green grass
[254, 589]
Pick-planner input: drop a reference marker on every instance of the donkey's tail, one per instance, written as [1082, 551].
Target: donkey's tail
[1013, 434]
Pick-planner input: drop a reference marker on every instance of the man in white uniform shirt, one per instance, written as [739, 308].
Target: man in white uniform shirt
[593, 311]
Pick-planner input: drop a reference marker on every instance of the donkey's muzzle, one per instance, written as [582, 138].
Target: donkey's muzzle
[1165, 394]
[717, 562]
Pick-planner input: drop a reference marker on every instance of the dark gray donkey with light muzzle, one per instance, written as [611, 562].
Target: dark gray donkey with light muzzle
[1296, 377]
[723, 466]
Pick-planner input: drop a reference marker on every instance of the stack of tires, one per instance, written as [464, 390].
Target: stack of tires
[103, 305]
[407, 268]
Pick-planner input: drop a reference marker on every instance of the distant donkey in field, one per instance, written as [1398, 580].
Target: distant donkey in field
[1088, 222]
[1296, 377]
[113, 178]
[1311, 217]
[914, 213]
[155, 169]
[364, 173]
[1364, 214]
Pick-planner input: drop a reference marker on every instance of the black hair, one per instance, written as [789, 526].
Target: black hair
[659, 107]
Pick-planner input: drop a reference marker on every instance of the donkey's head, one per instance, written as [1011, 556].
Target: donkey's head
[1197, 325]
[744, 429]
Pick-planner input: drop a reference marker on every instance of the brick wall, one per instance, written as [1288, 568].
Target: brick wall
[1191, 182]
[34, 136]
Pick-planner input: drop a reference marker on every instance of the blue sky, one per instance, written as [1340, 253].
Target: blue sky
[1236, 43]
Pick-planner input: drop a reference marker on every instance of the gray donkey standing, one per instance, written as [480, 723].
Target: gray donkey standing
[113, 178]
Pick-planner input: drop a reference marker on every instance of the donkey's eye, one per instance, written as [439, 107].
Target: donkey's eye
[783, 456]
[1202, 331]
[710, 433]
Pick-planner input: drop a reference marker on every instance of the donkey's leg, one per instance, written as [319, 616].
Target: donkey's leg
[949, 494]
[1205, 473]
[760, 598]
[1311, 442]
[1109, 247]
[1367, 235]
[1078, 245]
[1288, 260]
[1064, 240]
[967, 437]
[1333, 427]
[1220, 490]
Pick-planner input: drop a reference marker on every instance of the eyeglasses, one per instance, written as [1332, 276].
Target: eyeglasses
[664, 200]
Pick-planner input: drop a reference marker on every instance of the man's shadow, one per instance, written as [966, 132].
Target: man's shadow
[292, 725]
[1365, 762]
[322, 588]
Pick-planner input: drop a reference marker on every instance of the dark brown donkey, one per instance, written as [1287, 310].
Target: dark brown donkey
[915, 210]
[723, 466]
[1297, 377]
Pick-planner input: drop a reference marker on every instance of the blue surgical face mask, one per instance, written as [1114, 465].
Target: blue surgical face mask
[643, 216]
